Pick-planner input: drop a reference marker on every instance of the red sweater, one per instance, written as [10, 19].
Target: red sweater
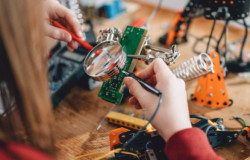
[190, 144]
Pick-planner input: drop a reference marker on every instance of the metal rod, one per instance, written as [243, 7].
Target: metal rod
[100, 124]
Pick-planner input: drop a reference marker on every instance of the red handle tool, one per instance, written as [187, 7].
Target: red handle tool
[74, 37]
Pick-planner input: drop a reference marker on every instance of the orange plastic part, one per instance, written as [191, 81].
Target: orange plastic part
[211, 89]
[172, 33]
[246, 132]
[114, 136]
[138, 23]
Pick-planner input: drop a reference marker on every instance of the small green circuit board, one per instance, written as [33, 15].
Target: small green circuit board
[132, 43]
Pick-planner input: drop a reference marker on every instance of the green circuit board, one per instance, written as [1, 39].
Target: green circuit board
[132, 43]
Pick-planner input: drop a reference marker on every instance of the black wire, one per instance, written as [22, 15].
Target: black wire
[248, 26]
[221, 36]
[225, 41]
[198, 116]
[200, 40]
[244, 40]
[125, 145]
[208, 128]
[211, 34]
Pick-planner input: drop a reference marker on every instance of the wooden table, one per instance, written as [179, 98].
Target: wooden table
[78, 115]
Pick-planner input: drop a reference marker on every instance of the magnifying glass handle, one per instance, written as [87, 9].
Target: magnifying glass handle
[143, 84]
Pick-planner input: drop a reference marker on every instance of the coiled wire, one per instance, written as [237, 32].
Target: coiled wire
[194, 67]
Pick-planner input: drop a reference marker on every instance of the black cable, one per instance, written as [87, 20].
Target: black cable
[198, 116]
[208, 128]
[244, 40]
[201, 39]
[248, 26]
[222, 34]
[125, 145]
[225, 42]
[211, 34]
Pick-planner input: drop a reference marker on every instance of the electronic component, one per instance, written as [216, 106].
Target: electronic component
[127, 121]
[147, 146]
[226, 9]
[132, 43]
[65, 70]
[109, 57]
[245, 131]
[150, 146]
[216, 132]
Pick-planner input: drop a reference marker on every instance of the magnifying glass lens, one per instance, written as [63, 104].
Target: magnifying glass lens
[105, 60]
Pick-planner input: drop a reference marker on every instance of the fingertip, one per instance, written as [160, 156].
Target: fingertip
[75, 44]
[70, 48]
[127, 80]
[79, 34]
[67, 37]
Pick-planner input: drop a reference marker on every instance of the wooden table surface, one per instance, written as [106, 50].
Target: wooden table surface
[78, 115]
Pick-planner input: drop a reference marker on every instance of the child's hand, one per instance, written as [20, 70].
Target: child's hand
[56, 11]
[173, 114]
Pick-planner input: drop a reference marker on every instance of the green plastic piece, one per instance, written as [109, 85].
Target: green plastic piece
[132, 43]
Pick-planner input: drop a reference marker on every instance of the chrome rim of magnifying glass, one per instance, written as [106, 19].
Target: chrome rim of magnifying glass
[112, 70]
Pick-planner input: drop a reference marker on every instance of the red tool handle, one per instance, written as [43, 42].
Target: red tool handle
[74, 37]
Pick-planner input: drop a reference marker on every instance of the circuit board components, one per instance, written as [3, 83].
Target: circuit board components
[132, 43]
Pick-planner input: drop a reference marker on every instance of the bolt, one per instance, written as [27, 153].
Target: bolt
[210, 94]
[235, 135]
[229, 139]
[173, 48]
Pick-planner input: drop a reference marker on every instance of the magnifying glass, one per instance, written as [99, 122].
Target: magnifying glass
[106, 60]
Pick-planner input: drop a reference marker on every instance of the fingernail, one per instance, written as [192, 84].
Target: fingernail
[80, 34]
[75, 45]
[69, 38]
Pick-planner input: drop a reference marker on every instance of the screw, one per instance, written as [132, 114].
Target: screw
[235, 135]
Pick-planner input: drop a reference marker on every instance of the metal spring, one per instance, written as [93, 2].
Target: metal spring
[194, 67]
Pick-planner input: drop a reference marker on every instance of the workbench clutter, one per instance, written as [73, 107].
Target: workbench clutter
[116, 90]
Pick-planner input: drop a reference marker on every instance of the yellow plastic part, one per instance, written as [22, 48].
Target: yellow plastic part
[128, 121]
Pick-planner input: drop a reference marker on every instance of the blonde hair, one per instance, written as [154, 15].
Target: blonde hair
[22, 34]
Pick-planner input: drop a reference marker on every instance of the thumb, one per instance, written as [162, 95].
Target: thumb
[57, 33]
[136, 89]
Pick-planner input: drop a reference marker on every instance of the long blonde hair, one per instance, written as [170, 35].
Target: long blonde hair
[23, 69]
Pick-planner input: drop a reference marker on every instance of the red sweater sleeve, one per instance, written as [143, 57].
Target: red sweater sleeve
[190, 144]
